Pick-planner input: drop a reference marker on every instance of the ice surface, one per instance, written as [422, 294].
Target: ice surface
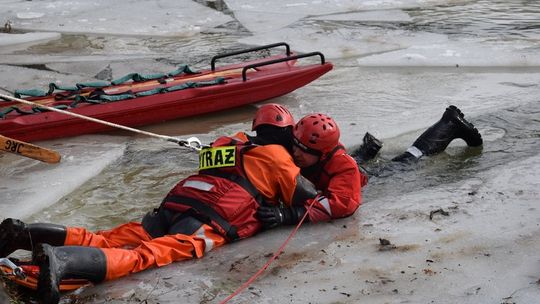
[346, 42]
[25, 40]
[261, 17]
[131, 17]
[29, 186]
[455, 54]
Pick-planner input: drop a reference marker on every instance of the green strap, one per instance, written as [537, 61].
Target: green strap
[95, 84]
[189, 84]
[37, 109]
[121, 80]
[138, 78]
[81, 99]
[6, 111]
[183, 69]
[217, 80]
[149, 92]
[179, 87]
[118, 97]
[30, 92]
[53, 86]
[104, 98]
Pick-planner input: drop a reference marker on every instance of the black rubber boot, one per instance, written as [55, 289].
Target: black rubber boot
[66, 262]
[437, 137]
[368, 150]
[15, 234]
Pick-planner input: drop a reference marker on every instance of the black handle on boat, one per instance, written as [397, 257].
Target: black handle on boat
[268, 46]
[255, 65]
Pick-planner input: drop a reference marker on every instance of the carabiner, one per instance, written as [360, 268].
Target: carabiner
[15, 270]
[194, 143]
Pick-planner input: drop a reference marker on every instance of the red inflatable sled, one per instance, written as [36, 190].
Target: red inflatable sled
[136, 100]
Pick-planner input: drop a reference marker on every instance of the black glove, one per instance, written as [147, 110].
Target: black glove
[272, 216]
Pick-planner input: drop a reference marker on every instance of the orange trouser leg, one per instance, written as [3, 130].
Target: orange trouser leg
[160, 252]
[126, 235]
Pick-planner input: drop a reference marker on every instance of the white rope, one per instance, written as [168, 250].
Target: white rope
[192, 142]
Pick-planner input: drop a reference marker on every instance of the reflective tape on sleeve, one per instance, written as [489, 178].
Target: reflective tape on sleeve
[326, 204]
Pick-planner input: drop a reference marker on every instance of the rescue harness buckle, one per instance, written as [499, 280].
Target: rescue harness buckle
[16, 271]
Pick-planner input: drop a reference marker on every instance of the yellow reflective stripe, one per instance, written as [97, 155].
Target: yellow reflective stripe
[217, 157]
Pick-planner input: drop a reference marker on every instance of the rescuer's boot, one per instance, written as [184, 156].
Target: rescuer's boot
[15, 234]
[66, 262]
[436, 138]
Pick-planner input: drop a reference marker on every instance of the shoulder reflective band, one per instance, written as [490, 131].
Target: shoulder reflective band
[217, 157]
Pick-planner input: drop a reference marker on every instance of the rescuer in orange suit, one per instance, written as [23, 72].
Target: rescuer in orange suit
[218, 205]
[325, 162]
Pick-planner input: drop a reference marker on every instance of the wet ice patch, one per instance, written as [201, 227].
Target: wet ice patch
[29, 15]
[29, 186]
[376, 15]
[265, 22]
[454, 54]
[112, 17]
[263, 17]
[25, 40]
[342, 41]
[19, 78]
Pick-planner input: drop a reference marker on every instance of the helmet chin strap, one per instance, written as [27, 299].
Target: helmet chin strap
[305, 148]
[327, 156]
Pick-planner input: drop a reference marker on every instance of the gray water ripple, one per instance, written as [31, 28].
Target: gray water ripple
[486, 19]
[519, 141]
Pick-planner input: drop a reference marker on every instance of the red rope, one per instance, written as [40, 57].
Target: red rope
[276, 254]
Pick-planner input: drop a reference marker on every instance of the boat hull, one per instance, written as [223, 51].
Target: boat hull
[261, 84]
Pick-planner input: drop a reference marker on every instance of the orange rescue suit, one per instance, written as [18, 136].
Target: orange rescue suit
[339, 180]
[129, 248]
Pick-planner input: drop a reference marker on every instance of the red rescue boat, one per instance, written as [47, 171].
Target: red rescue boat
[141, 102]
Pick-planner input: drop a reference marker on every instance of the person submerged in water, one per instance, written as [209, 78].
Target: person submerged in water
[434, 140]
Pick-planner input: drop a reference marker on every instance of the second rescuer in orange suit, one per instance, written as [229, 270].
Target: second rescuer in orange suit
[202, 212]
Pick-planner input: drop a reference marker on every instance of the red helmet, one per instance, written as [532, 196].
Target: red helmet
[273, 114]
[316, 133]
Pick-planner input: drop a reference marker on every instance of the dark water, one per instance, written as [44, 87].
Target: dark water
[517, 132]
[487, 19]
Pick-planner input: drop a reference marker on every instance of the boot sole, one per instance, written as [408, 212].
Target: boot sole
[467, 130]
[48, 290]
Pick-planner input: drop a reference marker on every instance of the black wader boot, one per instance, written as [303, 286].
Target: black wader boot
[15, 234]
[66, 262]
[437, 137]
[368, 150]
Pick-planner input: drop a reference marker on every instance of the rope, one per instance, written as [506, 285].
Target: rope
[276, 254]
[192, 142]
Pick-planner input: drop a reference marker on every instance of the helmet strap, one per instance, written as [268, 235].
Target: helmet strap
[305, 148]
